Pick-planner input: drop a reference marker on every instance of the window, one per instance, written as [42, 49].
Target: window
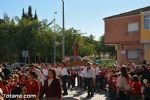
[133, 27]
[147, 22]
[132, 54]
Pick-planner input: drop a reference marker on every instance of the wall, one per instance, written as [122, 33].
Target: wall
[116, 30]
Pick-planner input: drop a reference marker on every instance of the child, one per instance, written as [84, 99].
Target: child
[136, 93]
[114, 87]
[5, 87]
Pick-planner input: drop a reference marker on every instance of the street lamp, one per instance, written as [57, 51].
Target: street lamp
[63, 34]
[54, 39]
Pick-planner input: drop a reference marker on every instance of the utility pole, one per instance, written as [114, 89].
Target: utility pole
[63, 30]
[54, 39]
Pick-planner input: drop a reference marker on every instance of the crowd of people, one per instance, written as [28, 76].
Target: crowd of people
[47, 82]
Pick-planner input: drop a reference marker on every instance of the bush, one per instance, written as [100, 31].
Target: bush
[105, 63]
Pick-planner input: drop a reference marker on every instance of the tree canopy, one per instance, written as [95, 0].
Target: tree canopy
[18, 34]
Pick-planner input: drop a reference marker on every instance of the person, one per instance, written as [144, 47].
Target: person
[32, 86]
[80, 77]
[146, 82]
[1, 94]
[113, 87]
[73, 76]
[110, 76]
[52, 88]
[44, 70]
[145, 74]
[57, 69]
[136, 92]
[6, 71]
[4, 87]
[123, 85]
[90, 80]
[38, 72]
[97, 80]
[64, 76]
[84, 77]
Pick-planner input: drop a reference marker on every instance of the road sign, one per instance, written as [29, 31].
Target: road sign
[25, 53]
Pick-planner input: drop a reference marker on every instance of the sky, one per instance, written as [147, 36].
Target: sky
[84, 15]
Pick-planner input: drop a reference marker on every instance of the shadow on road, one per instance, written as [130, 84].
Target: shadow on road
[105, 93]
[69, 98]
[80, 94]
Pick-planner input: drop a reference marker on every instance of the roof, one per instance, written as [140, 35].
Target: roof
[129, 13]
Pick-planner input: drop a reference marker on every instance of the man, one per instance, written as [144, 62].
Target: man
[64, 76]
[57, 69]
[44, 70]
[80, 77]
[90, 80]
[85, 77]
[97, 79]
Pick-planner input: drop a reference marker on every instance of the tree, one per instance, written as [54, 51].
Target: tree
[23, 14]
[35, 15]
[30, 13]
[18, 34]
[101, 48]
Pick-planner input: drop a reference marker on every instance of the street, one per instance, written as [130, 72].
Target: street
[80, 94]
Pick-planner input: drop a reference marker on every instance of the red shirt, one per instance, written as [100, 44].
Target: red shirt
[102, 74]
[114, 87]
[5, 89]
[110, 81]
[136, 88]
[33, 87]
[1, 84]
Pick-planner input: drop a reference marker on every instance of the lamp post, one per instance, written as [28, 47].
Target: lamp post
[54, 39]
[63, 34]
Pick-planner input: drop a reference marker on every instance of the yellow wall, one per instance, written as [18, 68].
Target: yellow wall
[145, 34]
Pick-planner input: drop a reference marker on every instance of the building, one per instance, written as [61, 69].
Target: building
[129, 32]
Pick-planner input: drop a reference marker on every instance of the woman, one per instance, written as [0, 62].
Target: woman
[52, 88]
[123, 85]
[136, 92]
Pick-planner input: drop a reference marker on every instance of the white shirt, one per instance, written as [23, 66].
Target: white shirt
[122, 83]
[39, 74]
[81, 73]
[96, 70]
[85, 72]
[45, 72]
[41, 81]
[50, 81]
[58, 71]
[91, 73]
[63, 71]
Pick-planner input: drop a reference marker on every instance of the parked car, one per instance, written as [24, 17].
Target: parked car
[18, 65]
